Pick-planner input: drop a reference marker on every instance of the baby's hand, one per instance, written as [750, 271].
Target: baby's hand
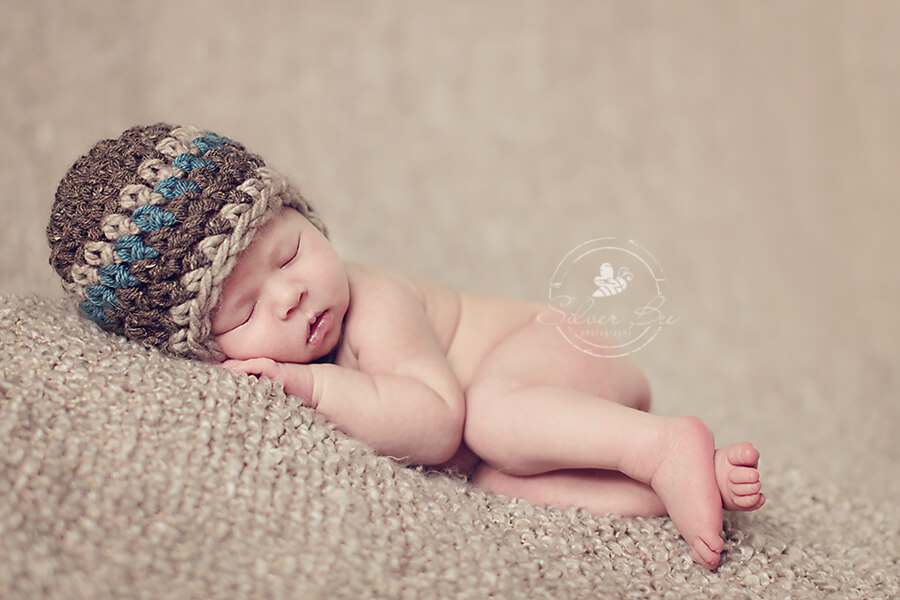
[256, 366]
[297, 379]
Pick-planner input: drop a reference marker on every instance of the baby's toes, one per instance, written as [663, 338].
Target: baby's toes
[738, 477]
[739, 490]
[746, 500]
[743, 455]
[743, 490]
[749, 502]
[707, 554]
[743, 475]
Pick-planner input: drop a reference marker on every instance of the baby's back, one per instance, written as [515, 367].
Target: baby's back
[469, 326]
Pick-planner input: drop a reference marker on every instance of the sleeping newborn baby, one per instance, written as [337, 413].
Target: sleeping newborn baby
[182, 239]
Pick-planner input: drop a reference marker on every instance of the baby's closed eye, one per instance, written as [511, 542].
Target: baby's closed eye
[249, 316]
[292, 254]
[237, 320]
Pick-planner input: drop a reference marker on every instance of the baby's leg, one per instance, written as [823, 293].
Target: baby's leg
[533, 408]
[539, 404]
[599, 492]
[609, 492]
[534, 430]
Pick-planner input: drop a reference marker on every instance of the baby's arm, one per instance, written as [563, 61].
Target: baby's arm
[414, 417]
[404, 399]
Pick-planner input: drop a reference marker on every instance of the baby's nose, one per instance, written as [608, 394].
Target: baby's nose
[287, 297]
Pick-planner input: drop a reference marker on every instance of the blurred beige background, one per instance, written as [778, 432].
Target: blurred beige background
[752, 147]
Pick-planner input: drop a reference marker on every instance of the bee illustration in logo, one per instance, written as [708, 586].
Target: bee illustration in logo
[609, 283]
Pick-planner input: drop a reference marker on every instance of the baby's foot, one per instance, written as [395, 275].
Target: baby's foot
[738, 477]
[685, 480]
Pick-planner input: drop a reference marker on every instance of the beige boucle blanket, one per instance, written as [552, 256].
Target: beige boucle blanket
[751, 147]
[128, 474]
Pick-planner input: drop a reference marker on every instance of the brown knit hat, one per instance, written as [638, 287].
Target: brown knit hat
[147, 226]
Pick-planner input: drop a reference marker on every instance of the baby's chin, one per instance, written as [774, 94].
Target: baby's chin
[326, 353]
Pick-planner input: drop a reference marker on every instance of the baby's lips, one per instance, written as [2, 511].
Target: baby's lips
[318, 328]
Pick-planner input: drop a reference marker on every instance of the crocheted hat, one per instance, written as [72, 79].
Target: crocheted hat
[146, 227]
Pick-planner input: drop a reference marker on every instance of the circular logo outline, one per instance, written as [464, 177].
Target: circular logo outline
[643, 257]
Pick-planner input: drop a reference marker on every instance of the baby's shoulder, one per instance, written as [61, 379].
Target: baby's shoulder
[381, 301]
[371, 287]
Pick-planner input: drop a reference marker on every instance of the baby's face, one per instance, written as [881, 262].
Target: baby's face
[286, 297]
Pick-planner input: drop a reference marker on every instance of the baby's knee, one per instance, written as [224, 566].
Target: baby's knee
[487, 430]
[485, 435]
[624, 383]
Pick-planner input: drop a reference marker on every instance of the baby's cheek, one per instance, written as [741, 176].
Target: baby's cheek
[232, 346]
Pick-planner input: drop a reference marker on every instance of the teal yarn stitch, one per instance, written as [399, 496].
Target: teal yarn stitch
[172, 187]
[151, 217]
[101, 296]
[131, 248]
[92, 311]
[188, 162]
[117, 276]
[209, 141]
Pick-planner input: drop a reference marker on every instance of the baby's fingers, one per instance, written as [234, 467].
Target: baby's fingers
[254, 366]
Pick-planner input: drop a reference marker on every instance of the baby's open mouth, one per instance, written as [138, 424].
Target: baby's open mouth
[318, 328]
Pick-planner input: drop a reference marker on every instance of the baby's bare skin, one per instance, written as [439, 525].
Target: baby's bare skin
[433, 376]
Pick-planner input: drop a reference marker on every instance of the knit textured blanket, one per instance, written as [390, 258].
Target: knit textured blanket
[125, 473]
